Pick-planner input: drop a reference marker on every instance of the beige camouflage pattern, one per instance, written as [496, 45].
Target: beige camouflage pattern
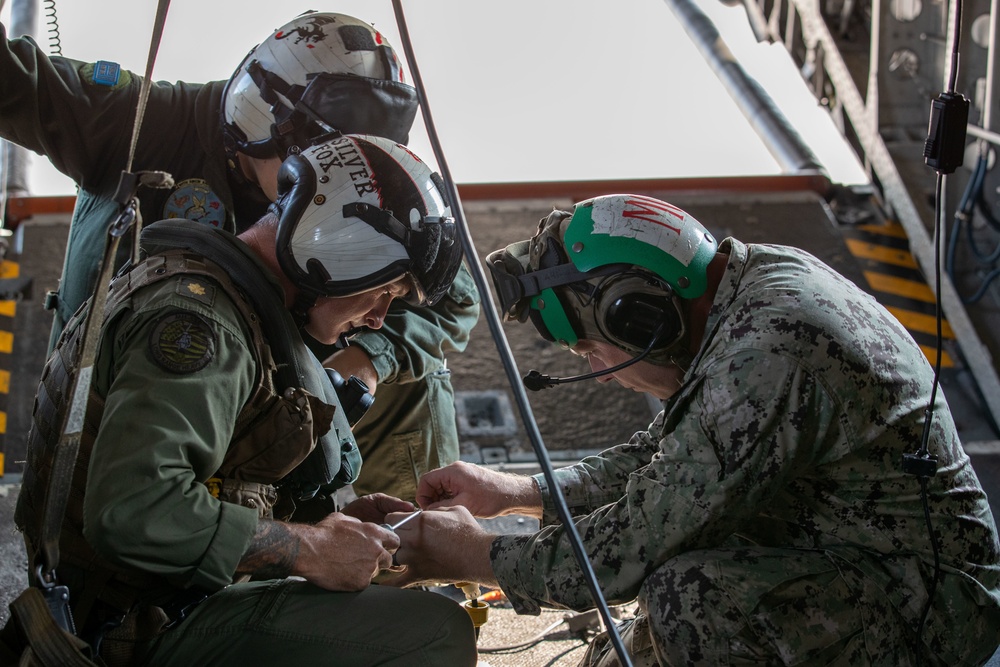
[764, 517]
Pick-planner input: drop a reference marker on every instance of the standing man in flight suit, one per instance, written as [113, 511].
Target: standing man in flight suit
[223, 143]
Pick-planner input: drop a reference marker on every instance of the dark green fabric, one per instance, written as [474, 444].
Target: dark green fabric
[291, 622]
[50, 106]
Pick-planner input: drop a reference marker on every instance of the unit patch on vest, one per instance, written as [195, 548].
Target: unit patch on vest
[182, 342]
[194, 199]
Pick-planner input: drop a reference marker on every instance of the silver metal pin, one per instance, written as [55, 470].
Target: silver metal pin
[401, 521]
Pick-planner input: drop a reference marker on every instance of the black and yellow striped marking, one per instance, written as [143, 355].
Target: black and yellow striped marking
[8, 309]
[894, 278]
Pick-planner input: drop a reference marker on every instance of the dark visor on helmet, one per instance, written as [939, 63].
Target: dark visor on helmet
[433, 247]
[516, 286]
[346, 103]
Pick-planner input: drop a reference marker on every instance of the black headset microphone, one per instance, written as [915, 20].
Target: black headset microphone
[536, 381]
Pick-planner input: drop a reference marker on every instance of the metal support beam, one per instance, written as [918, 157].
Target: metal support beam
[897, 198]
[784, 143]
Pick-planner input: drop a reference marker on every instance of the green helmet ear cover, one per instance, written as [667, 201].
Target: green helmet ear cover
[554, 317]
[645, 232]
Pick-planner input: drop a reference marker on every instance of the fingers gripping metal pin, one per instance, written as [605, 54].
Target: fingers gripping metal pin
[396, 525]
[399, 523]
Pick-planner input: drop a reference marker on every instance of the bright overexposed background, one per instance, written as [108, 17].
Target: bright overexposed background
[520, 90]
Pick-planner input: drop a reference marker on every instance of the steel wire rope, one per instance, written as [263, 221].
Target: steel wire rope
[503, 347]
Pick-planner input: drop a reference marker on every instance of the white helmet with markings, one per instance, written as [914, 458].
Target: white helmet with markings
[319, 73]
[358, 212]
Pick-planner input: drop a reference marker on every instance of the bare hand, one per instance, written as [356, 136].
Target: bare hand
[341, 553]
[375, 506]
[485, 493]
[447, 545]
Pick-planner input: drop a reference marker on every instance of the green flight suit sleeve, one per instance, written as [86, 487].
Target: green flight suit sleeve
[729, 451]
[413, 340]
[163, 433]
[51, 105]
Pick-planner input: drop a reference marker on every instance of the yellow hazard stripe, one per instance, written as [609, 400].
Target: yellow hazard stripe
[895, 231]
[931, 353]
[921, 322]
[881, 253]
[9, 269]
[8, 308]
[899, 286]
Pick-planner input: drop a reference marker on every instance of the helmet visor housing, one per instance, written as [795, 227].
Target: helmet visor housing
[319, 72]
[358, 212]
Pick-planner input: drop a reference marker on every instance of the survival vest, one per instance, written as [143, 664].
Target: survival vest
[290, 439]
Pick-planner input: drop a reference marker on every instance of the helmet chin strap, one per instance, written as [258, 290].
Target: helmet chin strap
[304, 301]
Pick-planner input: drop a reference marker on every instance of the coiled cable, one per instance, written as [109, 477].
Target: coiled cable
[52, 21]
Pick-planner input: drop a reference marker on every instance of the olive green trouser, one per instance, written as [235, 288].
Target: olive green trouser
[411, 428]
[291, 622]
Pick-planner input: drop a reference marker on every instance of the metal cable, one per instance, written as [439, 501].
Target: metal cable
[506, 356]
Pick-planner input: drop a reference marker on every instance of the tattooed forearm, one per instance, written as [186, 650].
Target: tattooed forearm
[272, 551]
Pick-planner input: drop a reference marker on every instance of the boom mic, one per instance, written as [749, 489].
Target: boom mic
[535, 381]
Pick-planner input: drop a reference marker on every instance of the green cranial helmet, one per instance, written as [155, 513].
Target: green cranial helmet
[613, 269]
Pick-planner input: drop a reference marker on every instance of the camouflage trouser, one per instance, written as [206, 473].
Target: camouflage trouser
[410, 429]
[756, 606]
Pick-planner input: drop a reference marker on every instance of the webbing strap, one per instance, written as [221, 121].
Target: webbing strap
[64, 458]
[154, 46]
[49, 645]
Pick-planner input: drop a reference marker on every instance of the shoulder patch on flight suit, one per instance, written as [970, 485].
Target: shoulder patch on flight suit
[198, 289]
[182, 342]
[105, 74]
[194, 199]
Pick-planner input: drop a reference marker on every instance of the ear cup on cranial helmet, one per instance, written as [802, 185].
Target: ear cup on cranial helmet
[633, 309]
[641, 256]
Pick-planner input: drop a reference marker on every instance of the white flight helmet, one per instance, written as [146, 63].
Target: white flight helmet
[318, 73]
[357, 212]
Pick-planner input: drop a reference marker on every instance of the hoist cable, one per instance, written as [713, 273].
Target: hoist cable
[506, 356]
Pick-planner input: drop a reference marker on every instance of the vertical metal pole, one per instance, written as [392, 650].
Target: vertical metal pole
[14, 164]
[991, 67]
[23, 22]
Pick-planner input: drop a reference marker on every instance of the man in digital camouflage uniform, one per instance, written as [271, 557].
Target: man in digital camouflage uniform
[223, 142]
[209, 421]
[764, 516]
